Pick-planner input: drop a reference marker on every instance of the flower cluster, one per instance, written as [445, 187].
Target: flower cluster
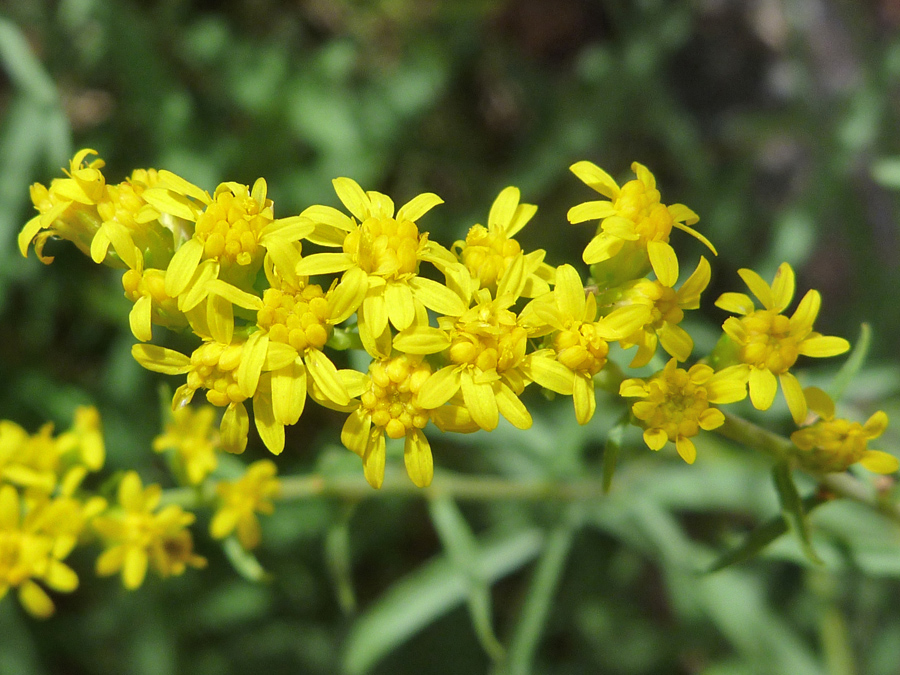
[453, 336]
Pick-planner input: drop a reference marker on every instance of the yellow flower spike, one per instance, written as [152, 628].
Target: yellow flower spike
[242, 499]
[391, 406]
[663, 309]
[634, 215]
[674, 404]
[770, 342]
[138, 535]
[833, 444]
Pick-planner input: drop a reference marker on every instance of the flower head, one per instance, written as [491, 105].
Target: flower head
[770, 342]
[634, 224]
[242, 499]
[675, 403]
[833, 444]
[192, 435]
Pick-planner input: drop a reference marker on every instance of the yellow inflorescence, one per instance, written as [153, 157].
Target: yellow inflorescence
[214, 368]
[230, 227]
[384, 247]
[488, 255]
[299, 318]
[391, 398]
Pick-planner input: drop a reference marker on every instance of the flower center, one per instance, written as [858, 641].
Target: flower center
[214, 367]
[229, 228]
[640, 204]
[391, 398]
[833, 445]
[298, 318]
[674, 405]
[385, 247]
[769, 343]
[488, 338]
[488, 255]
[580, 349]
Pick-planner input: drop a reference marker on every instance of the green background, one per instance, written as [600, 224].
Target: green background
[776, 120]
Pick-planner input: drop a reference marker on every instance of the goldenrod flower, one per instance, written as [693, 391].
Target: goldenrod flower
[485, 345]
[139, 535]
[27, 553]
[770, 342]
[388, 249]
[634, 224]
[578, 342]
[675, 403]
[192, 435]
[146, 288]
[489, 251]
[663, 309]
[392, 405]
[242, 499]
[832, 444]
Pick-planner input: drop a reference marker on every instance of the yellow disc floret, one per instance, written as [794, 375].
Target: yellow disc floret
[391, 397]
[298, 318]
[229, 228]
[385, 247]
[214, 367]
[487, 255]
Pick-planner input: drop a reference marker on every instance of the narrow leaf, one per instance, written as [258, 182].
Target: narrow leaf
[611, 452]
[792, 509]
[853, 363]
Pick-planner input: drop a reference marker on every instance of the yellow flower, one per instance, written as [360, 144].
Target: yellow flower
[388, 249]
[392, 405]
[578, 344]
[192, 436]
[232, 230]
[242, 499]
[27, 554]
[139, 535]
[832, 444]
[489, 251]
[663, 309]
[485, 346]
[675, 403]
[770, 342]
[634, 225]
[146, 288]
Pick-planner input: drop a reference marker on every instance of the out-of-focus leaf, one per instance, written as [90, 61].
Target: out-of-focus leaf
[761, 537]
[540, 594]
[462, 549]
[887, 172]
[792, 509]
[23, 68]
[428, 593]
[337, 556]
[853, 363]
[243, 561]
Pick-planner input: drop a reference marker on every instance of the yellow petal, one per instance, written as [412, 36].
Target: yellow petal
[134, 568]
[503, 209]
[696, 235]
[323, 371]
[161, 359]
[689, 293]
[418, 460]
[253, 358]
[806, 313]
[823, 346]
[35, 600]
[99, 246]
[182, 267]
[139, 319]
[622, 322]
[595, 178]
[600, 248]
[373, 459]
[353, 197]
[220, 319]
[418, 206]
[401, 307]
[686, 449]
[655, 439]
[584, 399]
[289, 392]
[440, 387]
[234, 428]
[348, 294]
[711, 418]
[763, 387]
[758, 287]
[511, 407]
[550, 373]
[876, 424]
[596, 210]
[323, 263]
[664, 262]
[480, 400]
[234, 295]
[736, 303]
[783, 287]
[380, 205]
[682, 214]
[676, 341]
[437, 297]
[569, 292]
[269, 429]
[879, 462]
[819, 402]
[355, 432]
[422, 340]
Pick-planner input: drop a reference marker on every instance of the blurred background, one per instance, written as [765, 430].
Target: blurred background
[778, 121]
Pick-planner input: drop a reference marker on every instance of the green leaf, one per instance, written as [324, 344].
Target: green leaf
[462, 548]
[428, 593]
[337, 557]
[541, 591]
[23, 68]
[761, 537]
[792, 509]
[611, 452]
[243, 561]
[887, 172]
[853, 363]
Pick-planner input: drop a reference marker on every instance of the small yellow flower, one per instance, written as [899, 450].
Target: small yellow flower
[388, 248]
[391, 405]
[663, 309]
[770, 342]
[139, 535]
[578, 343]
[488, 252]
[27, 554]
[634, 224]
[675, 403]
[832, 444]
[146, 288]
[192, 435]
[242, 499]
